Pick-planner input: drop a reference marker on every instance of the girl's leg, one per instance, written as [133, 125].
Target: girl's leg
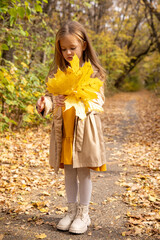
[85, 185]
[71, 183]
[82, 220]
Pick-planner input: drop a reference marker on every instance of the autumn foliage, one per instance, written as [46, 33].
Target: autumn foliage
[125, 35]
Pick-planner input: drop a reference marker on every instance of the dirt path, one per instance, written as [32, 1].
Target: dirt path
[33, 208]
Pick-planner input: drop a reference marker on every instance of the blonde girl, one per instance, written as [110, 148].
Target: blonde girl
[76, 145]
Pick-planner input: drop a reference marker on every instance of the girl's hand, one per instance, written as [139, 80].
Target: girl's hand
[40, 104]
[60, 100]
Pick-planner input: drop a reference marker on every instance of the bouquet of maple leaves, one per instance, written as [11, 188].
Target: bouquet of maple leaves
[78, 87]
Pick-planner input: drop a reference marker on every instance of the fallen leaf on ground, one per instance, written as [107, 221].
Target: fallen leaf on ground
[41, 236]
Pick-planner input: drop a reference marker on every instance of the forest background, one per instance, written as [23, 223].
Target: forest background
[124, 33]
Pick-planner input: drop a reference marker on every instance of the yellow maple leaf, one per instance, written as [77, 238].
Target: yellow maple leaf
[78, 87]
[44, 210]
[41, 236]
[79, 106]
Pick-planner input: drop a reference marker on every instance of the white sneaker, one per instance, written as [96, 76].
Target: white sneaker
[81, 221]
[65, 222]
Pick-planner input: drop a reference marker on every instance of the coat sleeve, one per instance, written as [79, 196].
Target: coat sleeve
[49, 102]
[100, 95]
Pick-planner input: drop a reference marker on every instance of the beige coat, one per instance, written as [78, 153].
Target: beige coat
[88, 143]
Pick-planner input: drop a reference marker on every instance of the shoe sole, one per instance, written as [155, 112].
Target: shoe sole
[77, 231]
[62, 229]
[80, 231]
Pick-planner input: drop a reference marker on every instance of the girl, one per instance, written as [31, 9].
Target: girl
[76, 145]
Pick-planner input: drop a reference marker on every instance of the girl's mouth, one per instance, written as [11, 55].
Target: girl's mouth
[69, 59]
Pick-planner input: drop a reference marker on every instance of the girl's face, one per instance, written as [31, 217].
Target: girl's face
[71, 45]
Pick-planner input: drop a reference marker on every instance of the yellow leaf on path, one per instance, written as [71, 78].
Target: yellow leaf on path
[93, 203]
[42, 198]
[97, 227]
[152, 199]
[111, 199]
[44, 210]
[45, 193]
[39, 204]
[61, 193]
[128, 214]
[62, 209]
[41, 236]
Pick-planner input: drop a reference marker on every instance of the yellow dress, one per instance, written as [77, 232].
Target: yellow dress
[67, 141]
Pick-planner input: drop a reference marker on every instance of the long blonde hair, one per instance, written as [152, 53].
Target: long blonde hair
[76, 29]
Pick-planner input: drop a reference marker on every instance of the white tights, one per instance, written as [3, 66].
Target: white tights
[73, 186]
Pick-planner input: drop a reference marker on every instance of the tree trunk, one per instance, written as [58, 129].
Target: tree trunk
[7, 55]
[134, 61]
[153, 28]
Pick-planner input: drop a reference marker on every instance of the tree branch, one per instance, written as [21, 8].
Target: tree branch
[133, 62]
[152, 9]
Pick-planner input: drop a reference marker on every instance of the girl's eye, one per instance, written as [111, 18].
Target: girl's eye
[64, 49]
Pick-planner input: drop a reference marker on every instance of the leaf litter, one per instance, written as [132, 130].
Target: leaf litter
[24, 160]
[28, 183]
[141, 157]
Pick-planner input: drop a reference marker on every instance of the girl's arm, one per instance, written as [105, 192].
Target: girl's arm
[45, 104]
[52, 101]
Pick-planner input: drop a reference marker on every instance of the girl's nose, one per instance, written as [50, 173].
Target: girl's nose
[68, 51]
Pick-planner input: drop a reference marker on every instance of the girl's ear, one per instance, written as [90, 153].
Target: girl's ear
[84, 45]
